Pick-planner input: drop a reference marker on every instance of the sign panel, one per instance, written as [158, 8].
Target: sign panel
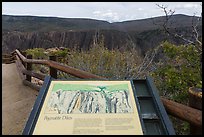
[89, 107]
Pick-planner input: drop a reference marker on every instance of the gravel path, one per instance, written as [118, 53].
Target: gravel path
[17, 101]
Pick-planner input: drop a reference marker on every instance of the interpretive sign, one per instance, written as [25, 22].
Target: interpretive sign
[89, 107]
[75, 107]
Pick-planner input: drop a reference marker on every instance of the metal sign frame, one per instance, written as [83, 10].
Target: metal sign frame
[152, 114]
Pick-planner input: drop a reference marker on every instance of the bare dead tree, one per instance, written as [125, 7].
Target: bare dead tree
[147, 61]
[168, 15]
[165, 25]
[195, 30]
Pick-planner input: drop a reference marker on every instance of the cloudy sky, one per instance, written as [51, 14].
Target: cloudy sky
[109, 11]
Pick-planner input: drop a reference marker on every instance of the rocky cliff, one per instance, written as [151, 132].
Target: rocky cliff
[82, 40]
[25, 32]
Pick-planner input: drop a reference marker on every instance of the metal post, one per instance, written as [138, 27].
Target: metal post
[53, 71]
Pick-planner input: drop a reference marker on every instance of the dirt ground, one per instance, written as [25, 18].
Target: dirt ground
[17, 101]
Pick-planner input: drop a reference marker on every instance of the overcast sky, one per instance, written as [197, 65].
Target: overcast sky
[109, 11]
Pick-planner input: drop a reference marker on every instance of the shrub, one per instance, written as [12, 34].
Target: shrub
[181, 70]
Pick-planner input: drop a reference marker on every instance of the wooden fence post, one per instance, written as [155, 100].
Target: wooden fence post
[29, 68]
[24, 54]
[53, 71]
[195, 101]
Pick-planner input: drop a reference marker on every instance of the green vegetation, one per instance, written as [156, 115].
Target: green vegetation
[180, 70]
[101, 61]
[37, 53]
[177, 70]
[61, 53]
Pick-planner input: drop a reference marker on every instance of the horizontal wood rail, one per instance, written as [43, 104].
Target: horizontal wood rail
[34, 86]
[7, 58]
[7, 55]
[24, 71]
[34, 74]
[189, 114]
[186, 113]
[58, 66]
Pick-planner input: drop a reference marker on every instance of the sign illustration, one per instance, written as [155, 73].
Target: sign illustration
[89, 107]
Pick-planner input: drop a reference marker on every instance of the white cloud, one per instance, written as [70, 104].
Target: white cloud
[178, 6]
[108, 15]
[96, 12]
[190, 5]
[140, 9]
[109, 11]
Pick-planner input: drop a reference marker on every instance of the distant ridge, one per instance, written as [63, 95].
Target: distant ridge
[39, 23]
[25, 32]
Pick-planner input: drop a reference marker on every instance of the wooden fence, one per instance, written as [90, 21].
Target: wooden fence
[7, 58]
[24, 65]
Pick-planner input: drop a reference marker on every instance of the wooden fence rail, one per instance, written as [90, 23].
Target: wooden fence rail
[7, 58]
[58, 66]
[191, 115]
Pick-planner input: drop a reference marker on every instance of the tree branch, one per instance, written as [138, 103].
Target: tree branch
[168, 15]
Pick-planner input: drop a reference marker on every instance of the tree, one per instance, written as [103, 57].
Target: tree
[195, 22]
[180, 71]
[181, 65]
